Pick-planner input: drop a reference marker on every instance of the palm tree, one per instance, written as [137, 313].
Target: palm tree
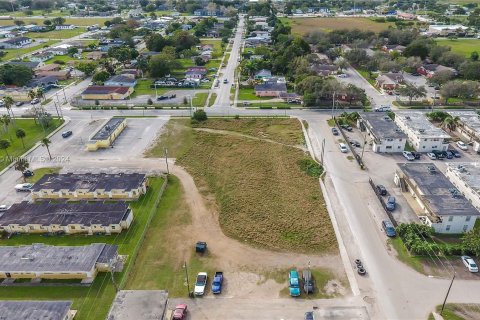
[4, 145]
[40, 94]
[20, 133]
[5, 120]
[46, 142]
[22, 165]
[8, 101]
[451, 123]
[32, 94]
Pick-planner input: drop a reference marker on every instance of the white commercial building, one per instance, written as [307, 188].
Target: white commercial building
[385, 134]
[441, 205]
[469, 127]
[423, 135]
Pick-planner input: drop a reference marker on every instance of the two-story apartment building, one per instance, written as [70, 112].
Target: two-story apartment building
[66, 217]
[465, 177]
[440, 204]
[469, 127]
[385, 134]
[126, 186]
[422, 134]
[57, 262]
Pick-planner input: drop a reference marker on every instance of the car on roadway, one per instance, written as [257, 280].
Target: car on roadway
[162, 97]
[388, 228]
[391, 203]
[294, 283]
[335, 131]
[225, 80]
[35, 101]
[67, 134]
[382, 109]
[462, 145]
[28, 173]
[19, 103]
[180, 312]
[343, 147]
[23, 187]
[432, 156]
[343, 75]
[200, 284]
[309, 315]
[470, 264]
[408, 155]
[381, 190]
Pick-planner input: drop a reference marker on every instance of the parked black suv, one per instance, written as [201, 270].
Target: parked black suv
[381, 190]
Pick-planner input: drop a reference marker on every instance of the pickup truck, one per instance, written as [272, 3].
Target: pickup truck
[217, 282]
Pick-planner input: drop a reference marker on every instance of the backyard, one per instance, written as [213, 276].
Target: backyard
[304, 25]
[249, 94]
[34, 133]
[93, 302]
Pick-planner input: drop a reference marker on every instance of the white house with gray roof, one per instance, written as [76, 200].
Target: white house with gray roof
[385, 134]
[422, 134]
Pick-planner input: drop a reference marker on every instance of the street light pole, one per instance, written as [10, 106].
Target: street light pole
[333, 103]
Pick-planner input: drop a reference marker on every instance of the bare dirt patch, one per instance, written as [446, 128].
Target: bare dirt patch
[304, 25]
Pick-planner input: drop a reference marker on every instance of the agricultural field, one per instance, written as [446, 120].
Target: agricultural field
[34, 132]
[57, 34]
[93, 302]
[304, 25]
[461, 46]
[264, 197]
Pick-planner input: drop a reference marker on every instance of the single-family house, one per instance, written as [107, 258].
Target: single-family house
[389, 81]
[429, 70]
[41, 56]
[65, 27]
[325, 70]
[58, 51]
[121, 81]
[390, 48]
[270, 89]
[96, 55]
[43, 82]
[34, 65]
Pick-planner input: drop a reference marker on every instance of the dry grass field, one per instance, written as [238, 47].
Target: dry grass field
[263, 197]
[304, 25]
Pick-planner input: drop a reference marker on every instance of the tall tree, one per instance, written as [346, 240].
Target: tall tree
[451, 123]
[8, 101]
[46, 143]
[411, 91]
[20, 133]
[4, 145]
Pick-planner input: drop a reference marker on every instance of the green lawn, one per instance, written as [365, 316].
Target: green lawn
[39, 173]
[16, 53]
[143, 88]
[249, 94]
[213, 96]
[462, 46]
[57, 34]
[65, 59]
[92, 302]
[34, 133]
[84, 21]
[52, 13]
[200, 99]
[404, 256]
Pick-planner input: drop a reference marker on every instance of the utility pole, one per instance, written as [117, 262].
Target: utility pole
[448, 291]
[323, 151]
[186, 276]
[333, 103]
[166, 160]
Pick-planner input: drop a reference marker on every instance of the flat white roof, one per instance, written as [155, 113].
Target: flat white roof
[418, 122]
[468, 172]
[469, 118]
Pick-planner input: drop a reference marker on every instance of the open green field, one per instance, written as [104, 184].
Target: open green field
[85, 21]
[303, 25]
[34, 133]
[51, 13]
[92, 302]
[200, 99]
[461, 46]
[16, 53]
[264, 197]
[143, 88]
[57, 34]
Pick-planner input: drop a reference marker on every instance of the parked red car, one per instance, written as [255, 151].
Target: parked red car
[180, 312]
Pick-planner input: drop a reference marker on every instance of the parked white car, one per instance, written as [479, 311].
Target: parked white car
[432, 156]
[470, 264]
[200, 283]
[408, 155]
[23, 187]
[462, 145]
[4, 207]
[343, 147]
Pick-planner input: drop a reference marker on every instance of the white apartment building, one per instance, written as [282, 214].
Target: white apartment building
[385, 134]
[441, 205]
[466, 178]
[469, 127]
[422, 134]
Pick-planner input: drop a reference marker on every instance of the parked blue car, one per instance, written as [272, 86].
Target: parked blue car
[294, 283]
[389, 228]
[390, 203]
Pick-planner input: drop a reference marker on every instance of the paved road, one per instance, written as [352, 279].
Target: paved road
[223, 91]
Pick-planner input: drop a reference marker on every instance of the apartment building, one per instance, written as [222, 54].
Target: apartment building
[385, 134]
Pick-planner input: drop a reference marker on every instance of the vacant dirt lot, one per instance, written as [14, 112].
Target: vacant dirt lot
[304, 25]
[263, 197]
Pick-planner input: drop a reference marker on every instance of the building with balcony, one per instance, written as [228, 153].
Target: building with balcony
[469, 127]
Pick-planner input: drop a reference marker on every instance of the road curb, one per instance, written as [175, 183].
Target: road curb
[65, 122]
